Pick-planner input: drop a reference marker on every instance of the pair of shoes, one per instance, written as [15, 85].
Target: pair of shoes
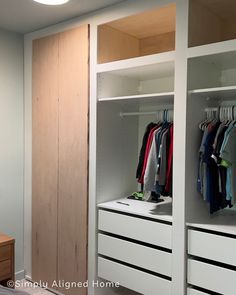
[137, 196]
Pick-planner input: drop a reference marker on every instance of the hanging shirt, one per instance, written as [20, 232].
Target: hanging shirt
[143, 149]
[169, 164]
[148, 146]
[151, 168]
[228, 154]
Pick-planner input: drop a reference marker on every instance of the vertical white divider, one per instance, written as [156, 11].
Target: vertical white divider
[180, 109]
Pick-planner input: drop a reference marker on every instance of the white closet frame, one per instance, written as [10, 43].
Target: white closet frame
[94, 19]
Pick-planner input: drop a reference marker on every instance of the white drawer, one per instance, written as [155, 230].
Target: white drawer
[133, 279]
[138, 255]
[210, 277]
[191, 291]
[148, 231]
[213, 247]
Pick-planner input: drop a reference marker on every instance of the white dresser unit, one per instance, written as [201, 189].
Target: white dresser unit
[135, 250]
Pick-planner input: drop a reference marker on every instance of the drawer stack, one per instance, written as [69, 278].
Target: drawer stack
[7, 269]
[211, 262]
[134, 251]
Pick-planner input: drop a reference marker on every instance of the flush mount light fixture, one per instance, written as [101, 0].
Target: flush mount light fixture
[52, 2]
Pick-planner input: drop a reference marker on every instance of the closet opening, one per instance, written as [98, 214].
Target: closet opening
[138, 35]
[121, 129]
[210, 177]
[211, 21]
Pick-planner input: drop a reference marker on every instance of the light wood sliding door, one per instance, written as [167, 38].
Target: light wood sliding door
[60, 157]
[45, 159]
[73, 157]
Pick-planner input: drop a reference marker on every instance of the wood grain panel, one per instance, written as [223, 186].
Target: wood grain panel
[226, 10]
[5, 252]
[5, 269]
[204, 25]
[115, 45]
[149, 23]
[45, 159]
[73, 156]
[228, 31]
[157, 44]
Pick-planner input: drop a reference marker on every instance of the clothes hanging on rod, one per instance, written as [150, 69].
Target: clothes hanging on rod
[217, 158]
[154, 170]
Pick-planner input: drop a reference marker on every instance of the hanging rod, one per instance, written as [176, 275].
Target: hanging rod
[143, 113]
[211, 109]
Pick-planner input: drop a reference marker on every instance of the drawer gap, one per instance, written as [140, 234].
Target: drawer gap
[136, 267]
[213, 232]
[135, 241]
[204, 290]
[213, 262]
[137, 216]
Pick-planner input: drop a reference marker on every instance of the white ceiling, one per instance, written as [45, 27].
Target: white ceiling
[25, 16]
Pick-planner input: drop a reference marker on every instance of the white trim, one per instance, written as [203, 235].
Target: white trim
[179, 155]
[136, 62]
[210, 49]
[20, 275]
[139, 97]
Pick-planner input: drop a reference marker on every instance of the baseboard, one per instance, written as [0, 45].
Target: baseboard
[20, 275]
[28, 278]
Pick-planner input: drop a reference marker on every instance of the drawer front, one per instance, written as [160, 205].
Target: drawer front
[5, 269]
[5, 252]
[210, 277]
[133, 279]
[151, 232]
[213, 247]
[138, 255]
[195, 292]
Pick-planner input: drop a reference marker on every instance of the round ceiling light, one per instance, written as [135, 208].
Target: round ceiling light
[52, 2]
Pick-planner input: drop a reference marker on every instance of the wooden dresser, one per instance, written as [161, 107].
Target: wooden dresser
[7, 263]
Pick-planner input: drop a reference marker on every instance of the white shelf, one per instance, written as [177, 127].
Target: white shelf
[166, 57]
[223, 222]
[213, 48]
[159, 211]
[227, 92]
[164, 97]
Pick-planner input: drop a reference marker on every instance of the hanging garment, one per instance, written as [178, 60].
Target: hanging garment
[143, 149]
[148, 147]
[168, 187]
[155, 160]
[217, 162]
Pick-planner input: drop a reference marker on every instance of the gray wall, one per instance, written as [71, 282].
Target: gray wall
[11, 139]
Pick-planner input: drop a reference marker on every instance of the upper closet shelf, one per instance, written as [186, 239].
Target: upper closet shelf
[142, 34]
[160, 58]
[164, 97]
[137, 82]
[227, 92]
[214, 48]
[160, 211]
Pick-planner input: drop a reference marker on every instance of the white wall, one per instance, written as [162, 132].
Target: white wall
[11, 140]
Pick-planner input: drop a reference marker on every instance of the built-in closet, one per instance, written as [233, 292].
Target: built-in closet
[60, 158]
[147, 59]
[211, 238]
